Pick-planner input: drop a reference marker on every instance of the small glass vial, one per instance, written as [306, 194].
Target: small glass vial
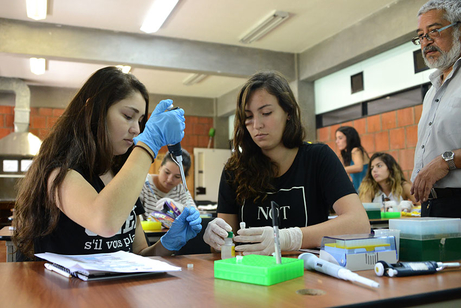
[228, 249]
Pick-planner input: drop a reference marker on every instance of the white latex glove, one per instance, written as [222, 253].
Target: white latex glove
[216, 232]
[262, 240]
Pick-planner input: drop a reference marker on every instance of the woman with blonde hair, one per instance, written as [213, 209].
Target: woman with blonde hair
[385, 179]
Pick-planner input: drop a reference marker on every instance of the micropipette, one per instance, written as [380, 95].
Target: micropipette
[311, 262]
[401, 269]
[176, 153]
[275, 225]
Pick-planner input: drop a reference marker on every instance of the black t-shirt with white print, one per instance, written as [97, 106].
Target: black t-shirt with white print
[305, 193]
[72, 239]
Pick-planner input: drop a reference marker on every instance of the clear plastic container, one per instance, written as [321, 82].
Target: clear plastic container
[228, 249]
[421, 228]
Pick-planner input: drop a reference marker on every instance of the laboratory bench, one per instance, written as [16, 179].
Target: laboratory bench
[6, 235]
[28, 284]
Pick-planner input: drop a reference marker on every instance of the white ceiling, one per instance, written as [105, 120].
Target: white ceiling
[217, 21]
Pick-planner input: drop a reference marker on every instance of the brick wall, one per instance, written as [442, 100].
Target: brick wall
[393, 132]
[6, 121]
[42, 119]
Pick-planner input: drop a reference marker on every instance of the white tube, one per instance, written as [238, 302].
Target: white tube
[348, 275]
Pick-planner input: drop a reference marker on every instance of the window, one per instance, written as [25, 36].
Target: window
[341, 115]
[418, 61]
[357, 83]
[393, 101]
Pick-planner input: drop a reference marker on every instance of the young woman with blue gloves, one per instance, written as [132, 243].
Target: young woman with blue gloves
[80, 195]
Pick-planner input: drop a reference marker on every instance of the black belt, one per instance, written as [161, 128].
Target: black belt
[437, 193]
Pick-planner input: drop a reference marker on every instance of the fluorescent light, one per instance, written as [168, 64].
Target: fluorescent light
[264, 26]
[157, 15]
[36, 9]
[193, 79]
[38, 66]
[124, 68]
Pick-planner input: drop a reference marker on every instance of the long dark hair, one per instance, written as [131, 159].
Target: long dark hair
[79, 139]
[252, 171]
[396, 179]
[352, 141]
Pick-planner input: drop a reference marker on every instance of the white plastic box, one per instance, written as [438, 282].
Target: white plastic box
[426, 227]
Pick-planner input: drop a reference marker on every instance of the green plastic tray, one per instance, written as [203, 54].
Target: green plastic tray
[390, 215]
[446, 249]
[256, 269]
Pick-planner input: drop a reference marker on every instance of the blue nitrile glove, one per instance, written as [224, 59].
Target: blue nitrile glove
[186, 226]
[163, 128]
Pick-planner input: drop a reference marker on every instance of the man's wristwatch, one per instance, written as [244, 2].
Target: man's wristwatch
[449, 157]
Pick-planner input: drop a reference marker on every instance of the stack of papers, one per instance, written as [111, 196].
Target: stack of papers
[105, 265]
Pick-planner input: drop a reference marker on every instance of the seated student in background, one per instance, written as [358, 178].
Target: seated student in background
[385, 179]
[80, 193]
[272, 163]
[167, 184]
[353, 156]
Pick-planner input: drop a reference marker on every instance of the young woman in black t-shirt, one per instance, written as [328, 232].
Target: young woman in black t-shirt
[271, 162]
[80, 194]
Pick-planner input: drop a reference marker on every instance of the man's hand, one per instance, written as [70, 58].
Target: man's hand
[431, 173]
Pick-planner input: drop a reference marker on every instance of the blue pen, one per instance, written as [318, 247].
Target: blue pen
[275, 225]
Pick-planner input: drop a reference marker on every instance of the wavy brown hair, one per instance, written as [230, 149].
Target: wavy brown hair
[252, 172]
[79, 139]
[396, 179]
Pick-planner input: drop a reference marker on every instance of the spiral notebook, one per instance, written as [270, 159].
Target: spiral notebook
[105, 265]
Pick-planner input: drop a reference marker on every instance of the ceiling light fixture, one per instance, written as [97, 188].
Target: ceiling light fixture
[36, 9]
[38, 66]
[124, 68]
[264, 26]
[193, 79]
[157, 15]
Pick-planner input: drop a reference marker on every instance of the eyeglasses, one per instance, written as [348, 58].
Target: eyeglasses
[431, 35]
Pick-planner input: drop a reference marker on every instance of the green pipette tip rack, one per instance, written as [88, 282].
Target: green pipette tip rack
[256, 269]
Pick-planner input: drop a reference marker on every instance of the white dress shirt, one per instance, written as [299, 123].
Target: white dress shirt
[439, 129]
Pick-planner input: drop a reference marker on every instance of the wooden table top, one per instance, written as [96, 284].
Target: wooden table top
[6, 233]
[28, 284]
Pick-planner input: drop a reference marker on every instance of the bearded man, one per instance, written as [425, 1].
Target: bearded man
[436, 177]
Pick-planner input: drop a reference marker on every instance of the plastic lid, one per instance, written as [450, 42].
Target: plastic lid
[230, 234]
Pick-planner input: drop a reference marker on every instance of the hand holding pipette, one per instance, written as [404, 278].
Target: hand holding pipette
[162, 128]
